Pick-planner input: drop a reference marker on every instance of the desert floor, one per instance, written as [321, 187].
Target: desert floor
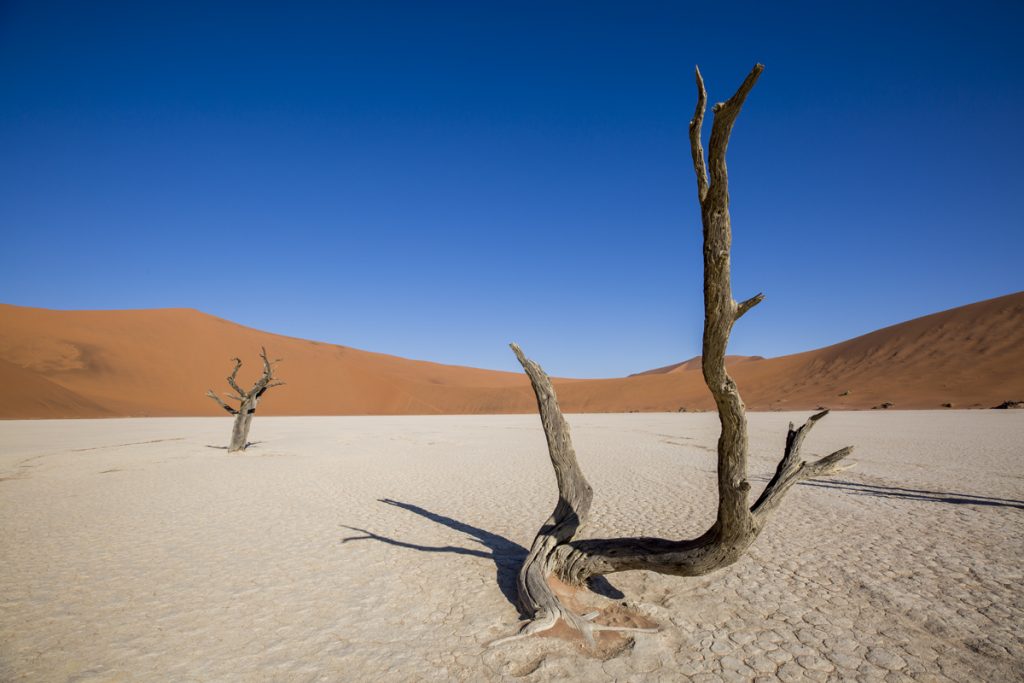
[385, 548]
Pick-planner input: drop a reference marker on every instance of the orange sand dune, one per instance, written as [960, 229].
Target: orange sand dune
[28, 394]
[56, 364]
[694, 364]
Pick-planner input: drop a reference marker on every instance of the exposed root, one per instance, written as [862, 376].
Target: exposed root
[545, 622]
[585, 626]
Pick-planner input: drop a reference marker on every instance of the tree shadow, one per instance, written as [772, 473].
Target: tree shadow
[951, 498]
[248, 445]
[508, 556]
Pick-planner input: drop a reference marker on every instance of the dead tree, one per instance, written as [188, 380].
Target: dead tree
[247, 400]
[556, 554]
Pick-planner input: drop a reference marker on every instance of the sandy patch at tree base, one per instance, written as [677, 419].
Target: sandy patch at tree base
[363, 548]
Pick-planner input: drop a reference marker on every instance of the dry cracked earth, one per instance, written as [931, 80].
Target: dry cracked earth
[386, 548]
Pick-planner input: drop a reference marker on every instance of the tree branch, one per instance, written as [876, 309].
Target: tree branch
[232, 377]
[791, 469]
[221, 403]
[536, 598]
[725, 116]
[745, 306]
[261, 385]
[267, 365]
[696, 147]
[573, 487]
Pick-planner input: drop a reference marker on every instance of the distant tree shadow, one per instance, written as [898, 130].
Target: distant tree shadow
[248, 444]
[508, 556]
[857, 488]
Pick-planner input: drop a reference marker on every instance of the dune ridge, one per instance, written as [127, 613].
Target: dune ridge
[81, 364]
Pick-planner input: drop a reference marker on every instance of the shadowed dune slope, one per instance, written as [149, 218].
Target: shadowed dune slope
[28, 394]
[57, 364]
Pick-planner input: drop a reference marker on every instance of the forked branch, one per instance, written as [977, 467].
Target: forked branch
[792, 469]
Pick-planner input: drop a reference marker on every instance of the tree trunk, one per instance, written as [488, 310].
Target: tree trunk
[240, 429]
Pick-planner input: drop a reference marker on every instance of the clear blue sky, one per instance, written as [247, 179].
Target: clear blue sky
[437, 179]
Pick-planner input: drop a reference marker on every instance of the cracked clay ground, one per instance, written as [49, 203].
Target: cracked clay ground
[385, 548]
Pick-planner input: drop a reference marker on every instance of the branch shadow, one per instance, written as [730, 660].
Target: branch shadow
[508, 556]
[948, 497]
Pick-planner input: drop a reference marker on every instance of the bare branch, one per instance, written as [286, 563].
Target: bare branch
[232, 377]
[725, 116]
[737, 100]
[792, 469]
[267, 362]
[575, 494]
[745, 306]
[696, 147]
[221, 403]
[572, 485]
[828, 465]
[261, 385]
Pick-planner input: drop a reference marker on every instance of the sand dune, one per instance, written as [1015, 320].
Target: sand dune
[29, 394]
[60, 364]
[694, 364]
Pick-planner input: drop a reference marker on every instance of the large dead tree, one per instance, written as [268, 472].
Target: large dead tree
[556, 554]
[247, 400]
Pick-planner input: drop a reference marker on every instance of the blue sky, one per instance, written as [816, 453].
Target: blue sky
[435, 180]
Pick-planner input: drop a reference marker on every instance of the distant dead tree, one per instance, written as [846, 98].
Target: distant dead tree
[555, 554]
[247, 400]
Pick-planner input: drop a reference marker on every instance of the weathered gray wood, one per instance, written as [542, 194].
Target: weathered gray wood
[574, 497]
[792, 469]
[221, 403]
[248, 400]
[696, 146]
[555, 551]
